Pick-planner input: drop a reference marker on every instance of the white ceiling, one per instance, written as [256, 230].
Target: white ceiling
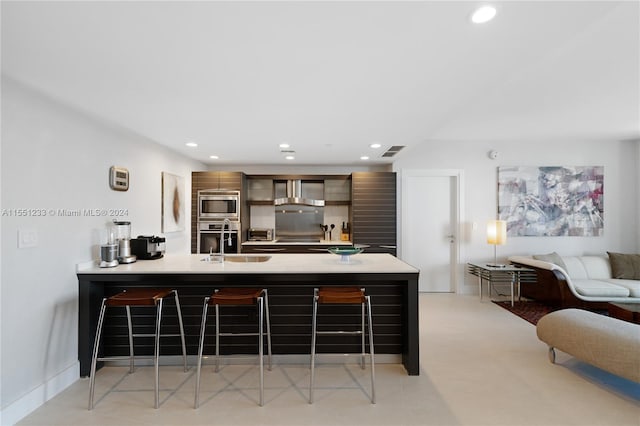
[330, 78]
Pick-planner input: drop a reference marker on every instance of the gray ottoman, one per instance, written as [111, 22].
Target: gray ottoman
[608, 343]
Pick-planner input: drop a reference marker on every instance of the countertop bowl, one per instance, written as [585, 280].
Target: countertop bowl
[345, 253]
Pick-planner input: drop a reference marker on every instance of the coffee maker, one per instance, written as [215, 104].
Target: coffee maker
[109, 251]
[123, 239]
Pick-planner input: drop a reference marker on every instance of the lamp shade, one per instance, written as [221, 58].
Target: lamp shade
[497, 232]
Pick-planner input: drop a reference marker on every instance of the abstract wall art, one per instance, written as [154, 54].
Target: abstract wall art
[173, 202]
[552, 201]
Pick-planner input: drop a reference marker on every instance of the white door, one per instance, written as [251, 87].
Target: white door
[430, 224]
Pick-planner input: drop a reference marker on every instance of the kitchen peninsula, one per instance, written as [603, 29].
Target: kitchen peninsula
[290, 279]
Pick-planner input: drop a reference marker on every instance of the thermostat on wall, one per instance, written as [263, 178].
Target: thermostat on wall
[118, 178]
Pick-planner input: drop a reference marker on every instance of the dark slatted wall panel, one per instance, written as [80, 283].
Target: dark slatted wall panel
[291, 311]
[210, 180]
[374, 210]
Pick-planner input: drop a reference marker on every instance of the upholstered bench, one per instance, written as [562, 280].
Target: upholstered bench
[608, 343]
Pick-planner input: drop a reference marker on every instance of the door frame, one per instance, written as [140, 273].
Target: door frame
[458, 175]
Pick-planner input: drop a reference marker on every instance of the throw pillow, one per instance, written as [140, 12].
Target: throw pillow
[551, 258]
[625, 266]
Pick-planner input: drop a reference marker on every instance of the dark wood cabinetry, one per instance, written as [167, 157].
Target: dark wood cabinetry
[373, 211]
[263, 189]
[370, 196]
[215, 180]
[337, 191]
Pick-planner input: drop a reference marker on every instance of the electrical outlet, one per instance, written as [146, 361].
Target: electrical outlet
[27, 238]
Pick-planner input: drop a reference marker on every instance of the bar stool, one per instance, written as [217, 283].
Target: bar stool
[343, 296]
[231, 297]
[138, 297]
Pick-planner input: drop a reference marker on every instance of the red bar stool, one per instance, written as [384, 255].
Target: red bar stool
[138, 297]
[343, 296]
[236, 296]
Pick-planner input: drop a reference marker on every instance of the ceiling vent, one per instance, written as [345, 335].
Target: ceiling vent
[393, 151]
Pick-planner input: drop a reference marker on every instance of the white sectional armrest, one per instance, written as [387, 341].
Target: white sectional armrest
[524, 260]
[532, 262]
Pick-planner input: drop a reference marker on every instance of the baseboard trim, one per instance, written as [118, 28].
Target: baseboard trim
[23, 406]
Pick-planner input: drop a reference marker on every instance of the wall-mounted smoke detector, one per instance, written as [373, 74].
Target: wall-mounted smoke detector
[393, 151]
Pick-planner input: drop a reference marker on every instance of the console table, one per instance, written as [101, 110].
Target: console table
[510, 274]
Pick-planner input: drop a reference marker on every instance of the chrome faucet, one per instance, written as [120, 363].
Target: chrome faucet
[224, 224]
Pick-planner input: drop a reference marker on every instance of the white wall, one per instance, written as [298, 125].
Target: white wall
[621, 195]
[56, 158]
[637, 216]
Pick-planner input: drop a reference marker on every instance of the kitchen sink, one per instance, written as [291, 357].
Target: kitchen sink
[243, 258]
[216, 258]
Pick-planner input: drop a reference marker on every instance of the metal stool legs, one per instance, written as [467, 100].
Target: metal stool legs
[343, 296]
[143, 297]
[250, 296]
[263, 312]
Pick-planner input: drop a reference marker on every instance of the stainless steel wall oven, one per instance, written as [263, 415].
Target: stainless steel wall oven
[209, 234]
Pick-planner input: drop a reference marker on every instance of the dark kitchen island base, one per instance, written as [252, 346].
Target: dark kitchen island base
[394, 298]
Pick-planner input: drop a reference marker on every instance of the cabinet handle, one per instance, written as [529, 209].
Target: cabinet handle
[387, 247]
[269, 249]
[317, 249]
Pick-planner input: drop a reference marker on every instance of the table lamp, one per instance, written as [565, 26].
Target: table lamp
[496, 235]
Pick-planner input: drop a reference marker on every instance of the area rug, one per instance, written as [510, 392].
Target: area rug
[528, 310]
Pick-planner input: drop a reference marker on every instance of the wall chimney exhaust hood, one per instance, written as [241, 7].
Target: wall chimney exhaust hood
[294, 196]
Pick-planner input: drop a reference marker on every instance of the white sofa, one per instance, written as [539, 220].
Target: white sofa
[586, 278]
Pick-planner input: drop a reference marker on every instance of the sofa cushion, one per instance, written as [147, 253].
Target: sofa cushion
[599, 288]
[632, 285]
[575, 268]
[625, 266]
[597, 267]
[551, 258]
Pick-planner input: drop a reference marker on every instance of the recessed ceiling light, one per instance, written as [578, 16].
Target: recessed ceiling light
[483, 14]
[284, 145]
[214, 157]
[191, 144]
[364, 157]
[375, 145]
[290, 157]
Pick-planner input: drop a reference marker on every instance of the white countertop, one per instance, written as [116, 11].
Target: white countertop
[372, 263]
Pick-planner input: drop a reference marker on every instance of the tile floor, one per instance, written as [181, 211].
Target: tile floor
[480, 365]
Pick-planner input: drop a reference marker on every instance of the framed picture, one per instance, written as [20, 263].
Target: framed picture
[173, 201]
[552, 201]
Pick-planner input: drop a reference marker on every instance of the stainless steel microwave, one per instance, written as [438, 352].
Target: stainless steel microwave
[216, 204]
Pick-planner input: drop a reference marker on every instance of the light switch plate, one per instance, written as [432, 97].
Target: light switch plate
[27, 238]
